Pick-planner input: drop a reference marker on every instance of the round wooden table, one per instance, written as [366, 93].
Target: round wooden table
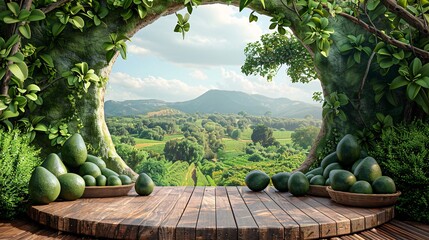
[209, 213]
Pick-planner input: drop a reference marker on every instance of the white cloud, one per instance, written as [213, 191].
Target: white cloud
[231, 80]
[218, 36]
[122, 86]
[198, 74]
[137, 50]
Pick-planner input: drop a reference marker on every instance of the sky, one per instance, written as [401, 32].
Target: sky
[162, 65]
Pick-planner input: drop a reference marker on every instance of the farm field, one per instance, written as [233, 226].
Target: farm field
[220, 160]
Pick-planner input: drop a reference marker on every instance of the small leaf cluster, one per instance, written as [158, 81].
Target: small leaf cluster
[331, 107]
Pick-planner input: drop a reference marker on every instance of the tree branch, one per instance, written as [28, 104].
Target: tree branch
[390, 40]
[414, 21]
[4, 88]
[54, 6]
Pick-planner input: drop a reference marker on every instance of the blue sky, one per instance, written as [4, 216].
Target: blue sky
[161, 65]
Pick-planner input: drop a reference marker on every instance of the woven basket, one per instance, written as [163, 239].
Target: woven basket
[363, 200]
[319, 191]
[106, 191]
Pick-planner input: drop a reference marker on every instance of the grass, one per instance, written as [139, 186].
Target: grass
[282, 136]
[233, 148]
[154, 145]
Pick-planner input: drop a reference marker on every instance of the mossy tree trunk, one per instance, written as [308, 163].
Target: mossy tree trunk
[87, 47]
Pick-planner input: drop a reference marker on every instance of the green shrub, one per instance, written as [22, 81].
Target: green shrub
[403, 154]
[17, 161]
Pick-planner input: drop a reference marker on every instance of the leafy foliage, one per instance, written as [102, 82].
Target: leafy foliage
[263, 135]
[18, 160]
[402, 154]
[304, 136]
[183, 149]
[266, 56]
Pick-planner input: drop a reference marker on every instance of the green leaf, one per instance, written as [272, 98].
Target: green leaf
[25, 31]
[109, 55]
[2, 105]
[31, 96]
[57, 28]
[398, 82]
[263, 3]
[148, 3]
[97, 20]
[345, 47]
[399, 55]
[77, 22]
[33, 88]
[19, 70]
[244, 3]
[379, 116]
[8, 114]
[41, 127]
[386, 63]
[14, 8]
[372, 5]
[416, 65]
[23, 15]
[36, 15]
[412, 90]
[2, 72]
[324, 22]
[48, 60]
[424, 82]
[425, 70]
[142, 11]
[10, 20]
[281, 30]
[423, 100]
[356, 57]
[15, 58]
[384, 52]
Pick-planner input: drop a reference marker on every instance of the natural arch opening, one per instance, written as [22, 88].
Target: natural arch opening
[91, 106]
[215, 50]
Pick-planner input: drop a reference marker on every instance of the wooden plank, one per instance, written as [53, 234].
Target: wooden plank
[102, 224]
[309, 228]
[418, 229]
[44, 214]
[186, 227]
[103, 208]
[128, 228]
[424, 227]
[246, 225]
[15, 229]
[206, 225]
[269, 227]
[405, 231]
[83, 219]
[57, 218]
[357, 221]
[167, 229]
[148, 229]
[226, 228]
[327, 226]
[370, 217]
[291, 228]
[343, 224]
[385, 235]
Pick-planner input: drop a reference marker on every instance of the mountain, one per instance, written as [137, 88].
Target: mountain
[219, 101]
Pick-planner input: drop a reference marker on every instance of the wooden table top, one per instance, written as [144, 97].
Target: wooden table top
[209, 213]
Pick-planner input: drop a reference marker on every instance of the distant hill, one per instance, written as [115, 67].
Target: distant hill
[218, 101]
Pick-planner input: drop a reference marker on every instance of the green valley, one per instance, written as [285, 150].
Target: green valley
[179, 149]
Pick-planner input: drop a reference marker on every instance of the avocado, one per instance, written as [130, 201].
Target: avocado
[54, 165]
